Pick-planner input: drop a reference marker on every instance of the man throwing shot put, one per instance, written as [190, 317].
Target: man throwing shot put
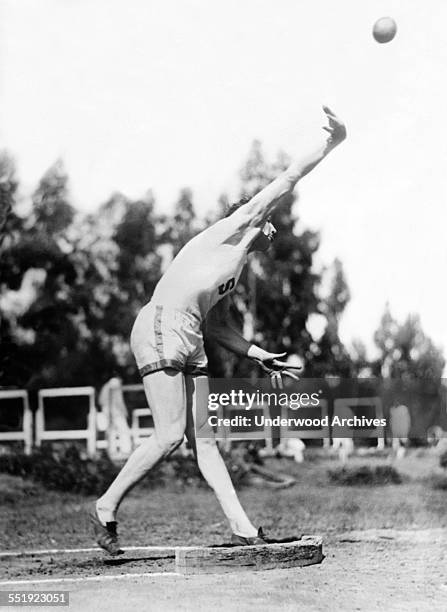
[167, 341]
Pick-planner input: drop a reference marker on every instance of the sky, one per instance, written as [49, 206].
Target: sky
[164, 94]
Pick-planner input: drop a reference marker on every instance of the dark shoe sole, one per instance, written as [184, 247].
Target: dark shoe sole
[240, 541]
[259, 540]
[105, 539]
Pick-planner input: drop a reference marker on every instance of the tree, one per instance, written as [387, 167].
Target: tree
[184, 225]
[39, 281]
[406, 352]
[10, 231]
[9, 222]
[52, 212]
[138, 262]
[411, 366]
[339, 294]
[276, 292]
[360, 361]
[331, 356]
[72, 285]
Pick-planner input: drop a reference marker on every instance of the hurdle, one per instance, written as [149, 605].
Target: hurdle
[306, 433]
[25, 434]
[342, 405]
[88, 433]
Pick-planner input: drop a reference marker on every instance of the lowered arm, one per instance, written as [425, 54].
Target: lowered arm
[219, 329]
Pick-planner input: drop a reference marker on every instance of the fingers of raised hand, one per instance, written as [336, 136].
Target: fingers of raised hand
[276, 380]
[328, 111]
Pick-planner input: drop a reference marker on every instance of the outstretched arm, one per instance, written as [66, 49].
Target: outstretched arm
[263, 203]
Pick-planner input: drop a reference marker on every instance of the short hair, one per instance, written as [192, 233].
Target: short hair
[236, 205]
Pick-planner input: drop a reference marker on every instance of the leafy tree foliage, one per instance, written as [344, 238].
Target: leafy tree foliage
[52, 213]
[9, 222]
[406, 352]
[281, 283]
[138, 263]
[43, 277]
[331, 356]
[72, 285]
[10, 230]
[279, 290]
[184, 224]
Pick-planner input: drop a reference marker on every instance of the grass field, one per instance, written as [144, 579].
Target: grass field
[385, 546]
[31, 517]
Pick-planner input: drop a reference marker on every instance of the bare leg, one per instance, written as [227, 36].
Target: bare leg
[165, 393]
[210, 461]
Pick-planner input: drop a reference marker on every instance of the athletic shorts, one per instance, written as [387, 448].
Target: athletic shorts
[167, 338]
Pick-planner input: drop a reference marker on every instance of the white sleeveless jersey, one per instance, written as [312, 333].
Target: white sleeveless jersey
[207, 268]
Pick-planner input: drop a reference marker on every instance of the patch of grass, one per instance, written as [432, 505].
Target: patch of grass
[439, 482]
[17, 490]
[178, 514]
[365, 475]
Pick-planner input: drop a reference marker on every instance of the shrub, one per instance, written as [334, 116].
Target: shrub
[183, 470]
[443, 460]
[66, 468]
[439, 482]
[365, 475]
[67, 471]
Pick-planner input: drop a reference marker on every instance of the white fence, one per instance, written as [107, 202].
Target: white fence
[43, 432]
[25, 434]
[306, 433]
[346, 407]
[140, 433]
[229, 433]
[88, 433]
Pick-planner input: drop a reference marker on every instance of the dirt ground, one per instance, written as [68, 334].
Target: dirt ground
[391, 571]
[385, 546]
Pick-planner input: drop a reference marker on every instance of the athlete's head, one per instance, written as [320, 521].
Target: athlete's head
[263, 241]
[267, 235]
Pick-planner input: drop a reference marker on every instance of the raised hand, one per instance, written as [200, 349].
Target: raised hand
[336, 128]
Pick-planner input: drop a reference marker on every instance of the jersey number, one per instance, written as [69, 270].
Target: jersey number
[227, 286]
